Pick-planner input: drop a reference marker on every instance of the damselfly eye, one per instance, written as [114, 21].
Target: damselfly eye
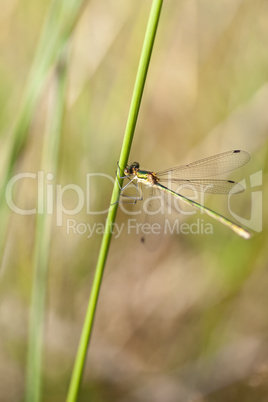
[127, 171]
[136, 165]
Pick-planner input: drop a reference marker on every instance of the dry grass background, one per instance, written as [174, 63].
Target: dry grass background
[187, 322]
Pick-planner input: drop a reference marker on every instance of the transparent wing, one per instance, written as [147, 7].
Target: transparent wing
[211, 166]
[207, 185]
[154, 209]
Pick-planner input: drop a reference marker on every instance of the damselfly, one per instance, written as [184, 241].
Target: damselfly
[194, 175]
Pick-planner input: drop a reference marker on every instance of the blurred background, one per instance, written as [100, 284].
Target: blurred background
[187, 322]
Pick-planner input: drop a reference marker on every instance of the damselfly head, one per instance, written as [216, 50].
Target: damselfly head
[132, 169]
[135, 165]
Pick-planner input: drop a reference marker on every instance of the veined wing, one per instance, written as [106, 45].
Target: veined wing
[211, 166]
[207, 185]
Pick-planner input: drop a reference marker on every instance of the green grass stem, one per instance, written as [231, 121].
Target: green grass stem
[43, 239]
[129, 132]
[59, 25]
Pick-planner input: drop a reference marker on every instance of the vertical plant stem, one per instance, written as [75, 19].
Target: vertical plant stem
[42, 240]
[130, 127]
[60, 22]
